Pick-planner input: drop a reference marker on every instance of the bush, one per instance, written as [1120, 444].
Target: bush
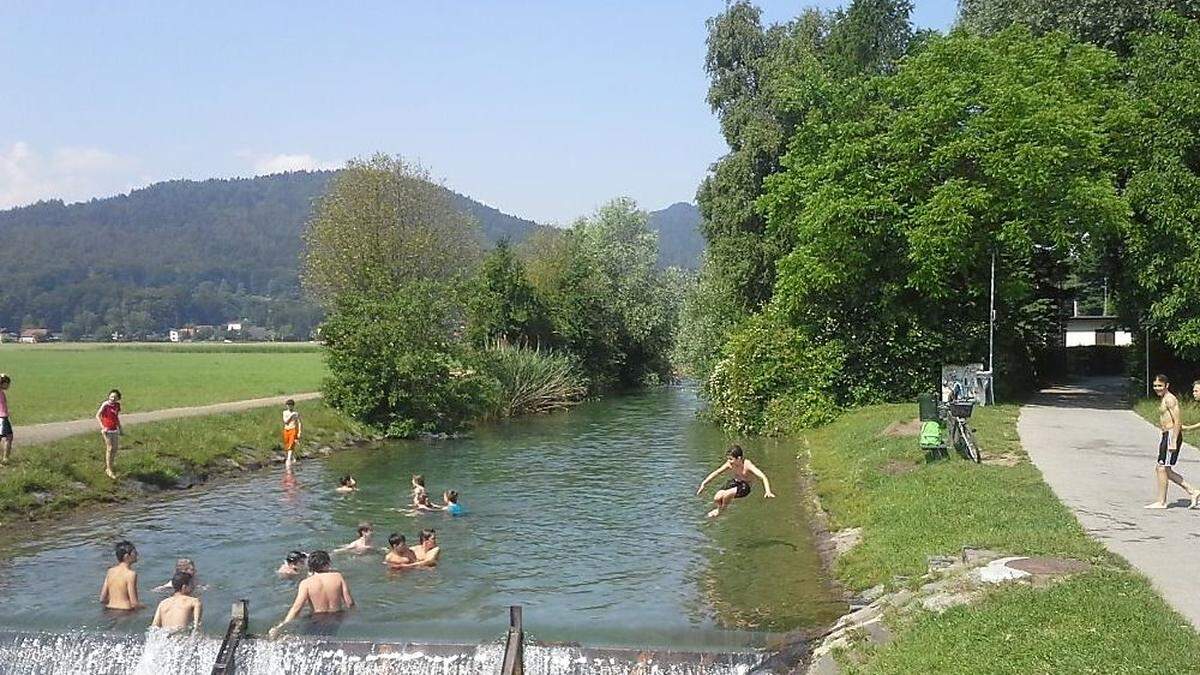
[396, 365]
[533, 380]
[774, 379]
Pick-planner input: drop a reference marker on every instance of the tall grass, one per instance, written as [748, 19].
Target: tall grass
[533, 380]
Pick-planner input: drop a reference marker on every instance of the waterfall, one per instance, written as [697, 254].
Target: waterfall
[160, 652]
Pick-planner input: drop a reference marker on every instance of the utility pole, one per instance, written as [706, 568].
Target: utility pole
[992, 332]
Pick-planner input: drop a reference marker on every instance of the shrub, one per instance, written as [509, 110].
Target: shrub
[774, 379]
[533, 380]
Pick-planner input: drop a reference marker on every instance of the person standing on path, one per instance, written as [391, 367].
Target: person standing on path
[1171, 423]
[109, 417]
[291, 430]
[1195, 395]
[6, 430]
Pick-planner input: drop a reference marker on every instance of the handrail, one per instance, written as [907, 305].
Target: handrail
[514, 646]
[226, 660]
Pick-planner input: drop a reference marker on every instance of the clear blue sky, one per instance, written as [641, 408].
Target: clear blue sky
[544, 109]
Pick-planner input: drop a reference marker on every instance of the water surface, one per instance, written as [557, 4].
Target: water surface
[588, 519]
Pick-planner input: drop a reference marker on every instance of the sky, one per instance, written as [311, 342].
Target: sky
[544, 109]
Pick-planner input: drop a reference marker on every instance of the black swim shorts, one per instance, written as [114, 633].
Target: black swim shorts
[5, 428]
[1169, 458]
[742, 487]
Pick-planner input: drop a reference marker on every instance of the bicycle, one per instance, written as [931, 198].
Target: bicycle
[962, 436]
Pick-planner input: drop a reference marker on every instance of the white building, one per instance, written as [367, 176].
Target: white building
[1090, 331]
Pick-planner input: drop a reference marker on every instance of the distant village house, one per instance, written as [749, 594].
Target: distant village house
[34, 335]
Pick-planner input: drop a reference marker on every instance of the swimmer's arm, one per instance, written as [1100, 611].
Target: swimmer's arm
[767, 494]
[711, 476]
[157, 622]
[294, 611]
[131, 588]
[197, 614]
[347, 599]
[104, 591]
[429, 560]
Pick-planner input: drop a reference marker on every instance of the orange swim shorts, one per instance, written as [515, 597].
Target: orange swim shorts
[289, 439]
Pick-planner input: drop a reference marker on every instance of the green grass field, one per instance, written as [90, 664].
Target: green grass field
[1148, 408]
[1109, 620]
[67, 381]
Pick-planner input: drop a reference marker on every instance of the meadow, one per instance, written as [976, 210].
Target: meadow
[56, 382]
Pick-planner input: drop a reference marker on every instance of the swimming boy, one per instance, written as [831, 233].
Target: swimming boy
[109, 417]
[120, 582]
[325, 591]
[451, 505]
[360, 545]
[347, 484]
[292, 427]
[420, 498]
[180, 609]
[426, 550]
[1170, 421]
[184, 565]
[6, 430]
[400, 555]
[739, 486]
[292, 564]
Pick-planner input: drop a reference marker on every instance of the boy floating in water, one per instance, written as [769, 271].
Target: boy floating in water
[180, 609]
[290, 568]
[347, 484]
[420, 498]
[291, 430]
[451, 506]
[120, 583]
[738, 486]
[360, 545]
[400, 554]
[186, 566]
[325, 591]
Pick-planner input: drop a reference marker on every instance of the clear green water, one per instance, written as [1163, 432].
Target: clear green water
[588, 519]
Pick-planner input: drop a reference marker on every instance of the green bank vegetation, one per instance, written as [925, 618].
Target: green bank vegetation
[422, 322]
[67, 382]
[1148, 408]
[55, 476]
[1106, 620]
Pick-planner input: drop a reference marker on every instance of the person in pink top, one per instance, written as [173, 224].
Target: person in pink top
[6, 431]
[109, 417]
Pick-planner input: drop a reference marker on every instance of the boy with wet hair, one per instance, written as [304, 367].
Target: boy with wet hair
[186, 566]
[180, 609]
[290, 568]
[6, 430]
[325, 590]
[427, 549]
[743, 471]
[451, 505]
[360, 545]
[120, 582]
[399, 555]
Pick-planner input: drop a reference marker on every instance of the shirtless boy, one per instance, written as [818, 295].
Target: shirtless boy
[292, 428]
[120, 583]
[180, 609]
[1171, 423]
[6, 430]
[186, 566]
[1195, 395]
[109, 417]
[426, 550]
[360, 545]
[290, 568]
[400, 555]
[325, 591]
[739, 486]
[420, 497]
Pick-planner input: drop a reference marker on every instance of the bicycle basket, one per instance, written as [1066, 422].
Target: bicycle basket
[962, 408]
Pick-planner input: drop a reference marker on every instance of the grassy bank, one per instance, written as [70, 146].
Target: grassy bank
[1107, 620]
[66, 382]
[55, 476]
[1148, 408]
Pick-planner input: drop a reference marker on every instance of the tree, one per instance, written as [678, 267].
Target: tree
[381, 225]
[1107, 23]
[504, 306]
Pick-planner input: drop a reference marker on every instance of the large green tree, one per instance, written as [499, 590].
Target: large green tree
[1107, 23]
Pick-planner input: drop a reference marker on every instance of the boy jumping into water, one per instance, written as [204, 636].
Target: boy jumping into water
[120, 582]
[738, 486]
[6, 430]
[1171, 423]
[109, 417]
[180, 609]
[292, 427]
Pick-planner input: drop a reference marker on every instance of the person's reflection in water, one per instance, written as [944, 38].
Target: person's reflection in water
[291, 487]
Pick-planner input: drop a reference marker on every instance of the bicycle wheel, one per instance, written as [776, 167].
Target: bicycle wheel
[953, 436]
[973, 451]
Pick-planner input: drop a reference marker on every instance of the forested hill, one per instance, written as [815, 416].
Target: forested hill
[172, 253]
[680, 243]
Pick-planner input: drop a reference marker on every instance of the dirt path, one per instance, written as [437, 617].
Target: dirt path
[34, 434]
[1098, 456]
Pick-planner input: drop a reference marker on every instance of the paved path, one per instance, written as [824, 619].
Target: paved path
[33, 434]
[1098, 457]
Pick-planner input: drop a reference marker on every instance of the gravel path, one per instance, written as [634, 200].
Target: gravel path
[1099, 456]
[34, 434]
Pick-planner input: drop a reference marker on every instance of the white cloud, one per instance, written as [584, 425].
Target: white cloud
[68, 173]
[268, 164]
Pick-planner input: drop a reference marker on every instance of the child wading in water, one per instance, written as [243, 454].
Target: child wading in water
[739, 486]
[180, 609]
[291, 430]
